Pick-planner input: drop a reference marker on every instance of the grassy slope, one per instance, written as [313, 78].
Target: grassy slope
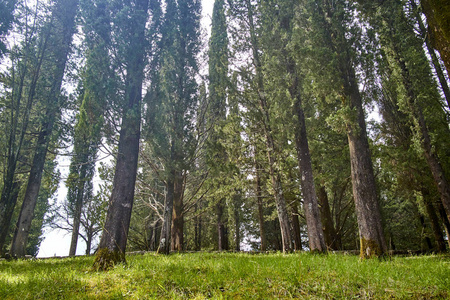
[230, 276]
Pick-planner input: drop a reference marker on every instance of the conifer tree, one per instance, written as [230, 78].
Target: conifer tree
[6, 19]
[27, 63]
[280, 16]
[420, 98]
[63, 27]
[216, 115]
[248, 13]
[331, 19]
[87, 131]
[173, 101]
[129, 23]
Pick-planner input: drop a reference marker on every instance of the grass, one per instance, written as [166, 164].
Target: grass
[230, 276]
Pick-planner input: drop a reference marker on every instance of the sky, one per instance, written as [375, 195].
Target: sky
[57, 242]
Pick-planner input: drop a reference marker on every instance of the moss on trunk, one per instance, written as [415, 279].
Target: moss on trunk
[106, 259]
[370, 249]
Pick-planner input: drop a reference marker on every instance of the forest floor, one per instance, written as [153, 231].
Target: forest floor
[230, 276]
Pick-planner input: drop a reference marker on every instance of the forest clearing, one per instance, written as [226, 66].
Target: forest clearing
[230, 276]
[260, 125]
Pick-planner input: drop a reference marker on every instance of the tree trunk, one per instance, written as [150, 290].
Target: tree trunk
[164, 242]
[177, 240]
[311, 207]
[296, 227]
[237, 221]
[88, 243]
[77, 212]
[364, 189]
[8, 197]
[434, 220]
[8, 207]
[221, 226]
[426, 238]
[114, 238]
[436, 12]
[445, 221]
[19, 243]
[197, 228]
[367, 208]
[434, 163]
[432, 160]
[372, 241]
[259, 199]
[327, 219]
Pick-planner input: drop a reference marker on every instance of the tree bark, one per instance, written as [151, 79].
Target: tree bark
[7, 210]
[77, 212]
[19, 243]
[434, 220]
[164, 242]
[434, 58]
[445, 221]
[237, 221]
[260, 203]
[198, 228]
[327, 219]
[115, 233]
[437, 15]
[221, 226]
[177, 240]
[311, 207]
[426, 238]
[296, 227]
[372, 239]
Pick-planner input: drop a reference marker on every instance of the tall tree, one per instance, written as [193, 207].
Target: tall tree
[218, 82]
[89, 122]
[27, 61]
[434, 59]
[331, 21]
[247, 12]
[130, 24]
[283, 13]
[419, 91]
[173, 99]
[63, 28]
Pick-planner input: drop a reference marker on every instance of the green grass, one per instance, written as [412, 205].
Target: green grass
[230, 276]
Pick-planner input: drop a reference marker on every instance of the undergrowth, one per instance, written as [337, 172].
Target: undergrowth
[230, 276]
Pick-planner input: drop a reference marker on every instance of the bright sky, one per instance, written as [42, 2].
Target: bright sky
[57, 242]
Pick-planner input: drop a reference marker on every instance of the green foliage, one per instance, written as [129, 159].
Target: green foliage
[6, 20]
